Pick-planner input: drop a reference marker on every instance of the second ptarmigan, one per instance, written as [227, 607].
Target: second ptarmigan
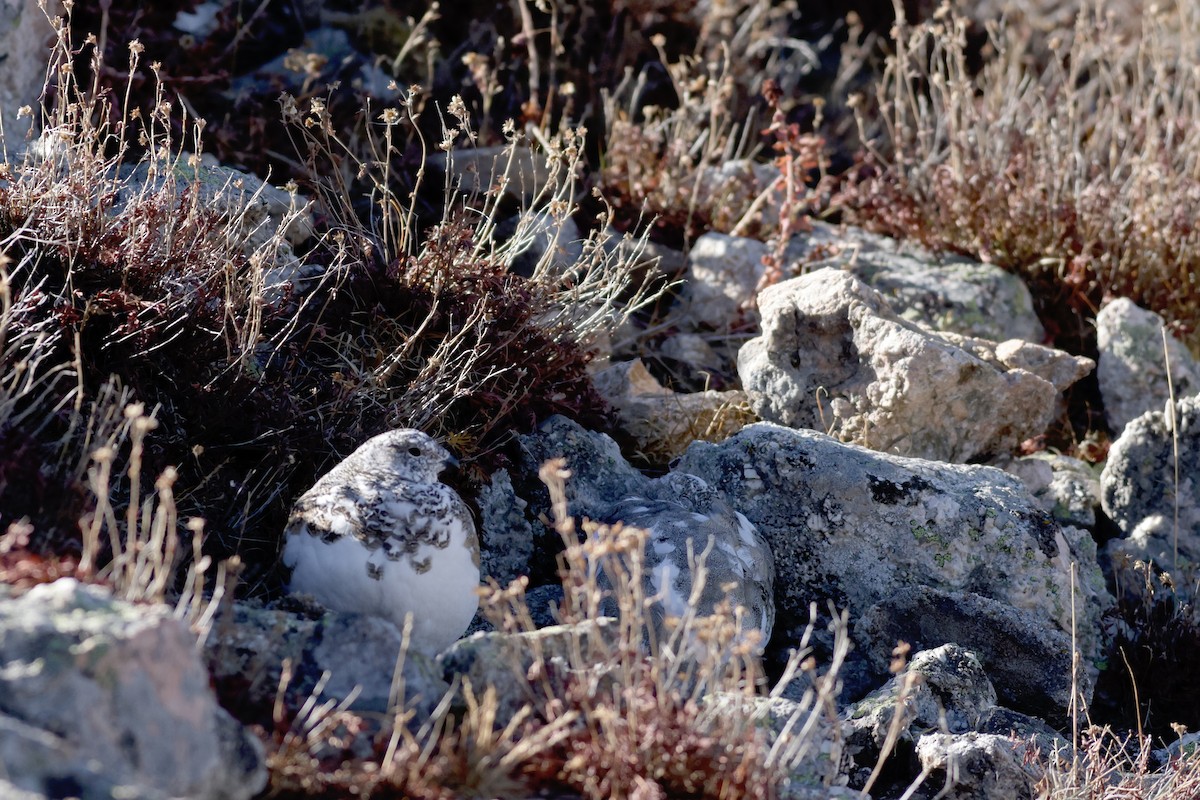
[380, 534]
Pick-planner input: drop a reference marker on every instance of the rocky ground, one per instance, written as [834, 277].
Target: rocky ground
[843, 513]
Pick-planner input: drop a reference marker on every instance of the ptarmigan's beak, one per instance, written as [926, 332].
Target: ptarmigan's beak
[450, 461]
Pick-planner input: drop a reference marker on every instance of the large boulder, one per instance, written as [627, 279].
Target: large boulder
[1028, 661]
[102, 698]
[853, 526]
[947, 293]
[1148, 487]
[833, 356]
[1133, 364]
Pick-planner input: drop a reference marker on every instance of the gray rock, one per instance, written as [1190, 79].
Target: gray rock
[603, 486]
[522, 172]
[694, 351]
[508, 536]
[944, 292]
[944, 688]
[1133, 368]
[515, 540]
[1053, 366]
[807, 738]
[543, 603]
[503, 661]
[1028, 661]
[1066, 487]
[336, 61]
[250, 643]
[853, 526]
[686, 518]
[731, 189]
[101, 694]
[600, 475]
[1139, 490]
[1006, 722]
[201, 22]
[25, 39]
[355, 655]
[360, 652]
[834, 357]
[1185, 747]
[10, 791]
[264, 221]
[1153, 540]
[722, 279]
[976, 766]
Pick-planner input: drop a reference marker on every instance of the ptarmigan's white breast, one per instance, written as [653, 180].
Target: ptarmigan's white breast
[339, 573]
[380, 535]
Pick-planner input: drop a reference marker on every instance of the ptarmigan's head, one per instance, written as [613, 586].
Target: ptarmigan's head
[407, 454]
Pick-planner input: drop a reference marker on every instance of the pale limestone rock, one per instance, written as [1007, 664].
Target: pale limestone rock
[834, 357]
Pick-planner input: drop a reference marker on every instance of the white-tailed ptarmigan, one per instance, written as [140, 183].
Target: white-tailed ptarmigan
[678, 510]
[379, 534]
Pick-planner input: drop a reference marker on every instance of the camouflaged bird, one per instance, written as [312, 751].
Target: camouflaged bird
[379, 534]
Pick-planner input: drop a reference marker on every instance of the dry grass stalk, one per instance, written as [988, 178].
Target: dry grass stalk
[1020, 167]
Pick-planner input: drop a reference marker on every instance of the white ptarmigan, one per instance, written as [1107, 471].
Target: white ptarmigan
[379, 534]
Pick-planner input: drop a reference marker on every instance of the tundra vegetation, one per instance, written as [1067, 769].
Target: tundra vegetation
[176, 367]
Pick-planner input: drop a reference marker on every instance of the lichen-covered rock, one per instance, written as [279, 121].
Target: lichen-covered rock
[503, 661]
[113, 695]
[1133, 366]
[943, 686]
[663, 422]
[1066, 487]
[853, 526]
[976, 766]
[600, 475]
[834, 357]
[674, 508]
[1015, 725]
[265, 221]
[944, 292]
[1139, 489]
[807, 735]
[1028, 661]
[508, 535]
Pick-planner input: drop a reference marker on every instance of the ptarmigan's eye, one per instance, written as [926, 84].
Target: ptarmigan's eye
[414, 451]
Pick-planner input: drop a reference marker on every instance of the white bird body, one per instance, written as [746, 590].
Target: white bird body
[380, 535]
